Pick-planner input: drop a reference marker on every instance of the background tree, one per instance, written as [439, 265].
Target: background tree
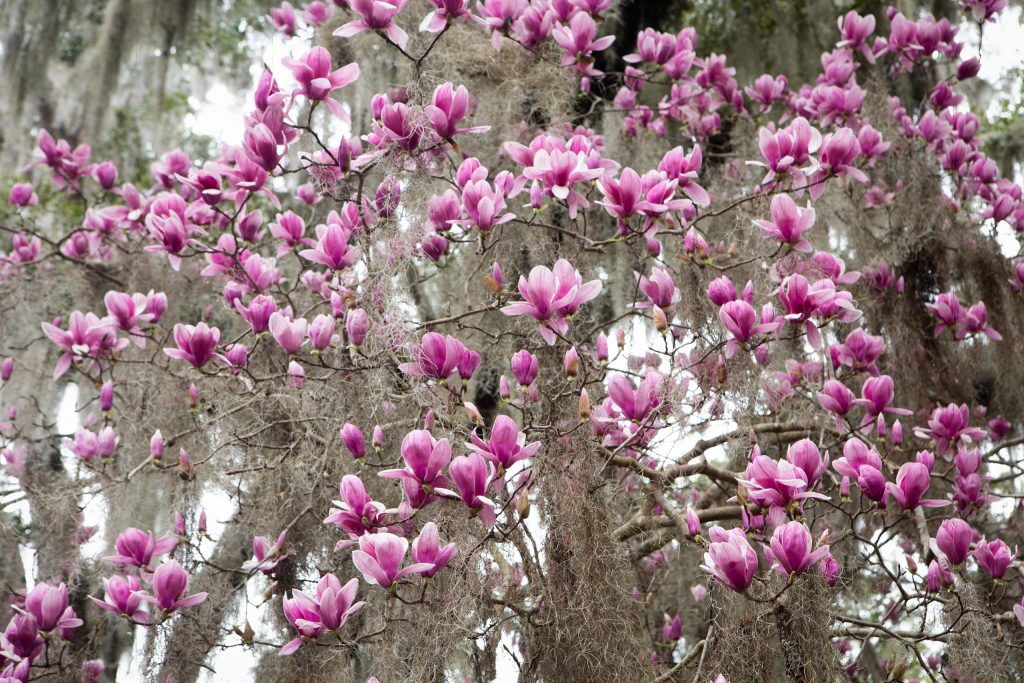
[622, 361]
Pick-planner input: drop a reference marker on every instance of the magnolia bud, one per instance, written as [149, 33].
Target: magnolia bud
[156, 446]
[584, 405]
[571, 363]
[473, 414]
[107, 396]
[378, 437]
[185, 469]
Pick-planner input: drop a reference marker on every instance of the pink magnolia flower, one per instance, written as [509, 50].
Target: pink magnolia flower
[170, 581]
[730, 558]
[767, 90]
[483, 205]
[660, 289]
[791, 549]
[449, 106]
[138, 548]
[472, 475]
[425, 459]
[994, 557]
[267, 555]
[326, 614]
[804, 454]
[317, 81]
[426, 549]
[636, 404]
[129, 311]
[197, 344]
[446, 12]
[357, 513]
[506, 445]
[377, 16]
[437, 356]
[21, 641]
[788, 223]
[549, 297]
[87, 336]
[775, 483]
[284, 18]
[525, 367]
[23, 194]
[558, 170]
[123, 596]
[49, 605]
[289, 334]
[912, 481]
[953, 541]
[380, 558]
[332, 246]
[950, 426]
[353, 439]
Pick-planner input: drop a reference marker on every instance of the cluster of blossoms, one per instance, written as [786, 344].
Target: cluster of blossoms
[303, 304]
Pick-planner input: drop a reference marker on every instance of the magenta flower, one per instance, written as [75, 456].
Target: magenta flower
[425, 458]
[380, 558]
[912, 481]
[23, 194]
[357, 324]
[472, 475]
[129, 311]
[267, 555]
[791, 549]
[289, 334]
[21, 641]
[378, 16]
[437, 356]
[170, 582]
[876, 396]
[994, 557]
[775, 483]
[138, 548]
[326, 614]
[353, 439]
[87, 336]
[357, 513]
[804, 454]
[123, 596]
[660, 289]
[559, 170]
[484, 205]
[284, 18]
[447, 12]
[953, 541]
[506, 445]
[579, 40]
[258, 312]
[950, 426]
[549, 297]
[449, 106]
[317, 81]
[622, 196]
[730, 559]
[49, 605]
[426, 549]
[197, 344]
[789, 222]
[525, 367]
[332, 247]
[636, 404]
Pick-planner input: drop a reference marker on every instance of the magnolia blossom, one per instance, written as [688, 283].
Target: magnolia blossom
[326, 613]
[730, 558]
[550, 297]
[506, 445]
[380, 557]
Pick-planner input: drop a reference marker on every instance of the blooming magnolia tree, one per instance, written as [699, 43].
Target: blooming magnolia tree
[619, 369]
